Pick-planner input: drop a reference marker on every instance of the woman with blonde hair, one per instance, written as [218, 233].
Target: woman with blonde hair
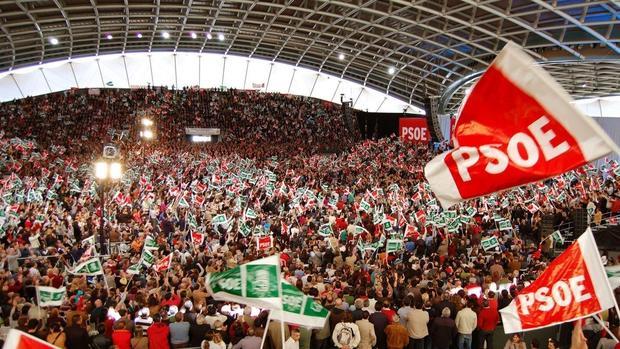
[57, 336]
[213, 341]
[139, 341]
[515, 342]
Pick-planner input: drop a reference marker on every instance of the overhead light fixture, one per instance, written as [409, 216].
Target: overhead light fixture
[139, 35]
[341, 56]
[193, 35]
[220, 37]
[391, 71]
[165, 35]
[53, 41]
[147, 122]
[209, 36]
[109, 36]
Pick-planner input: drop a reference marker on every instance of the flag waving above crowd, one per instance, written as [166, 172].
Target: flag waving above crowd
[516, 126]
[572, 287]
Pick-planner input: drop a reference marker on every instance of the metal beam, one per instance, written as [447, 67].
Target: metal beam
[580, 25]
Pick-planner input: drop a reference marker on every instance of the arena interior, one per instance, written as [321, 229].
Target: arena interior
[145, 145]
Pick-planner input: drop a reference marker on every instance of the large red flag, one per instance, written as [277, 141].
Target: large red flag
[572, 287]
[516, 126]
[17, 339]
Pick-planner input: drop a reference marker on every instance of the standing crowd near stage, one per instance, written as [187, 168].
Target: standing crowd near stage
[287, 167]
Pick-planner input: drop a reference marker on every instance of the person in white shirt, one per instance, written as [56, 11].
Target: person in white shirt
[466, 322]
[293, 341]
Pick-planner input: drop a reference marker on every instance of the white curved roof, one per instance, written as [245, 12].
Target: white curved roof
[192, 69]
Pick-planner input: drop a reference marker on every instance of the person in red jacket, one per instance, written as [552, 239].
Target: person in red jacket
[487, 322]
[158, 334]
[121, 337]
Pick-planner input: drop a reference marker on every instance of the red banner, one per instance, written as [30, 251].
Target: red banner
[564, 292]
[517, 126]
[414, 130]
[264, 243]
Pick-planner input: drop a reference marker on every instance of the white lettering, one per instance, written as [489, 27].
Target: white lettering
[577, 287]
[541, 296]
[543, 138]
[465, 157]
[530, 149]
[501, 160]
[526, 301]
[561, 293]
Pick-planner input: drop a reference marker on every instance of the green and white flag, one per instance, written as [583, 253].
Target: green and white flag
[220, 219]
[613, 274]
[134, 269]
[191, 221]
[326, 230]
[364, 206]
[557, 237]
[183, 203]
[150, 243]
[504, 225]
[90, 267]
[454, 225]
[255, 283]
[147, 258]
[89, 240]
[471, 211]
[393, 245]
[299, 309]
[50, 296]
[490, 243]
[244, 229]
[450, 214]
[249, 213]
[359, 230]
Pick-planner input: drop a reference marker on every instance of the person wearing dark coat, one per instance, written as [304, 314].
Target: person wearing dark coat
[77, 336]
[380, 322]
[443, 330]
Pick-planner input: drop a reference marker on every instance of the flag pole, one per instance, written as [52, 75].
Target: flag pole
[281, 310]
[600, 322]
[262, 342]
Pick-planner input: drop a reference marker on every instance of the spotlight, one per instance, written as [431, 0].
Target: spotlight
[147, 122]
[53, 41]
[165, 35]
[391, 71]
[146, 134]
[109, 36]
[220, 37]
[341, 56]
[209, 36]
[139, 35]
[193, 35]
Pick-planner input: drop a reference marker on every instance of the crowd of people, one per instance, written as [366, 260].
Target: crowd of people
[329, 215]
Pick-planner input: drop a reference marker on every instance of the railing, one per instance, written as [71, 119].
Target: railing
[568, 229]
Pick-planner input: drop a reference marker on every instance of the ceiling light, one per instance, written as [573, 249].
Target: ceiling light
[341, 56]
[53, 41]
[139, 35]
[391, 71]
[209, 36]
[165, 35]
[193, 35]
[109, 36]
[220, 37]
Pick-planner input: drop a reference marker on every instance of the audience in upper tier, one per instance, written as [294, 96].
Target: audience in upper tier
[287, 167]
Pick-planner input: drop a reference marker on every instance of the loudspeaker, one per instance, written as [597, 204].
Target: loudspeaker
[581, 221]
[430, 106]
[546, 225]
